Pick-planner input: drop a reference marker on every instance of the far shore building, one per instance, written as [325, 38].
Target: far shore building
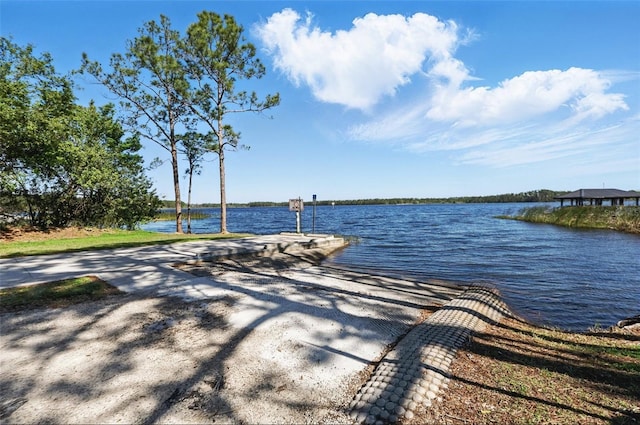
[599, 197]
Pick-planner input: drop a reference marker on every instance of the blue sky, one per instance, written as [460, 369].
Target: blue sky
[385, 99]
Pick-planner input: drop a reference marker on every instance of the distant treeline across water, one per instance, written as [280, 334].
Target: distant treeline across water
[542, 195]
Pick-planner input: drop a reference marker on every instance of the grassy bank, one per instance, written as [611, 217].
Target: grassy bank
[20, 243]
[626, 219]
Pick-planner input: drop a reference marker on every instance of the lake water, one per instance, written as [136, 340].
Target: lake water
[570, 278]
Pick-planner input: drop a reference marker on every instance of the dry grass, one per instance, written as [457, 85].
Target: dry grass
[33, 234]
[517, 373]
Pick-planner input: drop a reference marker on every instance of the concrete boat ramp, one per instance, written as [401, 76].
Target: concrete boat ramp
[335, 345]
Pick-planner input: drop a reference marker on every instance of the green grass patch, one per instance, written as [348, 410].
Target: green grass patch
[629, 352]
[56, 294]
[596, 347]
[112, 239]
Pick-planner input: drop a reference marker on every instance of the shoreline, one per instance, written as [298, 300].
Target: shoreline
[262, 338]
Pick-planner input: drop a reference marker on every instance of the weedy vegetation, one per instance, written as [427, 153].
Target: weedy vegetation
[622, 218]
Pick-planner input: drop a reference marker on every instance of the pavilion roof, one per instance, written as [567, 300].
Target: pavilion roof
[599, 194]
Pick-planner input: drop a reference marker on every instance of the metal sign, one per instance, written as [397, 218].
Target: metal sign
[296, 205]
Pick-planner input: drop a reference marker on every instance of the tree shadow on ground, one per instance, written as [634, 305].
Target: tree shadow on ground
[516, 372]
[144, 359]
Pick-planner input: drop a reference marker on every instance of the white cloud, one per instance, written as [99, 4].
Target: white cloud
[380, 53]
[358, 67]
[538, 116]
[535, 117]
[511, 146]
[500, 146]
[404, 123]
[532, 94]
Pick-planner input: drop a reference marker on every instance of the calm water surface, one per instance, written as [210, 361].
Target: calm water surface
[573, 279]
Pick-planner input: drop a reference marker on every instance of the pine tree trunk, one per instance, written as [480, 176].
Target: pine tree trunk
[189, 200]
[223, 195]
[176, 187]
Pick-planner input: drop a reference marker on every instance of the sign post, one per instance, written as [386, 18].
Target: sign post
[296, 205]
[313, 221]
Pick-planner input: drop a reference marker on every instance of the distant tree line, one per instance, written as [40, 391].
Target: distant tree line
[542, 195]
[532, 196]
